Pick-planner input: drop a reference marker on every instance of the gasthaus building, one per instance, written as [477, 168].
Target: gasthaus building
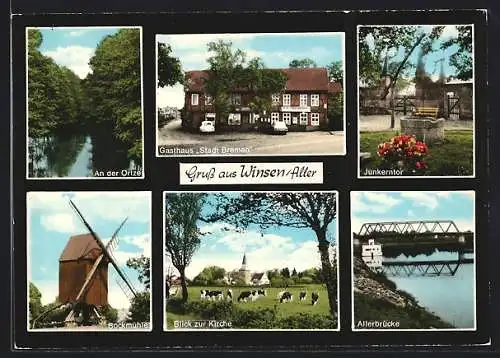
[302, 105]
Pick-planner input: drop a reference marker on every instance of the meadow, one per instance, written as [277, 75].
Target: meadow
[268, 302]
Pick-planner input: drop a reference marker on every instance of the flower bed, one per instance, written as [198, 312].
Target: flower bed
[404, 152]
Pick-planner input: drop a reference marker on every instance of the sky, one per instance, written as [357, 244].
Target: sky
[369, 207]
[52, 221]
[73, 47]
[276, 247]
[275, 50]
[432, 67]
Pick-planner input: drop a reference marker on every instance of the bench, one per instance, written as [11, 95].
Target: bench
[431, 112]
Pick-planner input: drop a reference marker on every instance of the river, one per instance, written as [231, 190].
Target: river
[74, 157]
[452, 298]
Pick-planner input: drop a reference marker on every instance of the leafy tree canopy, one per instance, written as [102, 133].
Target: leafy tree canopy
[169, 68]
[302, 63]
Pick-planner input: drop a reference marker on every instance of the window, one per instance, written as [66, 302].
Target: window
[303, 118]
[303, 100]
[286, 99]
[315, 100]
[276, 98]
[208, 100]
[275, 116]
[254, 117]
[295, 120]
[194, 99]
[315, 119]
[287, 117]
[236, 99]
[234, 119]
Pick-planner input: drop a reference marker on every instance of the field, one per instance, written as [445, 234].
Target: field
[269, 301]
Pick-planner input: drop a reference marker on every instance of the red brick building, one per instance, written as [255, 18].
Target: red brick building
[303, 105]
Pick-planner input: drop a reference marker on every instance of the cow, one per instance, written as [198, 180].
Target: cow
[229, 295]
[244, 296]
[314, 298]
[203, 294]
[302, 295]
[286, 297]
[262, 292]
[214, 295]
[280, 294]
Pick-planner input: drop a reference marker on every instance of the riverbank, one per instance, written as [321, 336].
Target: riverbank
[377, 299]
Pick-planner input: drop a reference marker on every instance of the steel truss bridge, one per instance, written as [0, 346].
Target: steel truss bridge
[422, 228]
[422, 268]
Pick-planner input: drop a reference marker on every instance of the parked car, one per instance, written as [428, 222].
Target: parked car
[279, 127]
[207, 127]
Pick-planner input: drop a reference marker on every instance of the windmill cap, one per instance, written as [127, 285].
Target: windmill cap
[79, 246]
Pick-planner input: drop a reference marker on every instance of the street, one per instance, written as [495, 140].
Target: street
[172, 140]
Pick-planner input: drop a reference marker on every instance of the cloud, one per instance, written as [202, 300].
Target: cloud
[199, 40]
[95, 206]
[77, 33]
[263, 252]
[449, 31]
[372, 202]
[421, 198]
[76, 58]
[170, 96]
[64, 223]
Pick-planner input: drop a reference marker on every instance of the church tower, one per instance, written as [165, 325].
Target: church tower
[245, 274]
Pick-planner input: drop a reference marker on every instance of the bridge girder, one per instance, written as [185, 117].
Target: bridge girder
[409, 227]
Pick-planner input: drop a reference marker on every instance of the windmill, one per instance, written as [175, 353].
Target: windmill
[83, 274]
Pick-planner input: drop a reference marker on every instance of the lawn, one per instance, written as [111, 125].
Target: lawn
[269, 301]
[454, 156]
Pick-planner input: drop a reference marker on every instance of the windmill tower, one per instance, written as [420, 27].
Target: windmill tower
[83, 275]
[244, 271]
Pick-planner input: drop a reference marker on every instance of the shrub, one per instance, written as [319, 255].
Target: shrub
[221, 310]
[263, 318]
[307, 321]
[175, 305]
[403, 152]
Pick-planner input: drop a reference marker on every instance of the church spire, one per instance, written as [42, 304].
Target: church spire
[244, 262]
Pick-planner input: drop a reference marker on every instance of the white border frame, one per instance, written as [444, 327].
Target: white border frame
[27, 101]
[359, 176]
[253, 329]
[353, 323]
[28, 269]
[344, 153]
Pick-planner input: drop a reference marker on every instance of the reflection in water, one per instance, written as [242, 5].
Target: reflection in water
[450, 297]
[75, 156]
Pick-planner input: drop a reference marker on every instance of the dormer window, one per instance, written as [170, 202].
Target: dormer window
[195, 97]
[276, 98]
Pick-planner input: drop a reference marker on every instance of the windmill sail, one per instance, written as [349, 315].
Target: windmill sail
[104, 248]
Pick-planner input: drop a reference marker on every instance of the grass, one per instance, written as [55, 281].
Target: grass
[454, 156]
[283, 310]
[367, 308]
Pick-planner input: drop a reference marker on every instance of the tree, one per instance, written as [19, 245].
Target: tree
[230, 70]
[182, 236]
[336, 72]
[142, 265]
[308, 210]
[169, 68]
[35, 303]
[140, 308]
[114, 90]
[294, 272]
[285, 272]
[462, 59]
[210, 275]
[378, 46]
[302, 63]
[110, 313]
